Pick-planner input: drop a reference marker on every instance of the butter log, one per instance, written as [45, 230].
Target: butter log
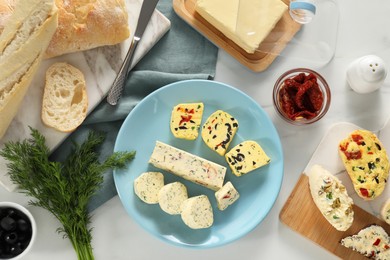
[188, 166]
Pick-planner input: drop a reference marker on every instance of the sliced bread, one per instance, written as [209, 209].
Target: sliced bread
[65, 100]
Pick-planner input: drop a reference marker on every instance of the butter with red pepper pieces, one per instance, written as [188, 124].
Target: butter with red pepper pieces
[366, 161]
[186, 119]
[226, 196]
[188, 166]
[372, 242]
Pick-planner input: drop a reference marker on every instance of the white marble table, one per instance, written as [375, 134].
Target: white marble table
[362, 31]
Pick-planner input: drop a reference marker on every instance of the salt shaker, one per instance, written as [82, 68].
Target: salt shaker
[366, 74]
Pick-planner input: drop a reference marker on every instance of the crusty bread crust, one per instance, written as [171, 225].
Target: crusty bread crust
[65, 100]
[82, 25]
[18, 67]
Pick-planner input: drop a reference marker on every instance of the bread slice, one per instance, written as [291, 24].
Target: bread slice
[331, 198]
[21, 53]
[372, 242]
[366, 161]
[65, 100]
[82, 25]
[385, 211]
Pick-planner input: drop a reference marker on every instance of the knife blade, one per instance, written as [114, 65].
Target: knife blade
[115, 92]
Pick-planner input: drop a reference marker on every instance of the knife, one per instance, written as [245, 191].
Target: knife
[116, 89]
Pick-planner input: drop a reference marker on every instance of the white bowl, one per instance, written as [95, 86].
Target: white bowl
[24, 212]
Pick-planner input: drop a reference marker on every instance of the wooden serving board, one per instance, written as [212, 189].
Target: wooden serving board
[271, 47]
[302, 215]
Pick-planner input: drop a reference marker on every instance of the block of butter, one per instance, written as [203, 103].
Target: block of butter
[248, 26]
[188, 166]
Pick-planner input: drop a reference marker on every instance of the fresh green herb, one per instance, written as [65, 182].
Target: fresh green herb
[329, 195]
[63, 188]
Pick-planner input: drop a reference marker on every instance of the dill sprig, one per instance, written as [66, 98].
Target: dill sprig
[63, 188]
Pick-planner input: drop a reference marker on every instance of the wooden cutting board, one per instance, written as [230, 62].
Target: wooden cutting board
[271, 47]
[302, 215]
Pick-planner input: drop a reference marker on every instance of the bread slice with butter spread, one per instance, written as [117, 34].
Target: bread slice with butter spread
[366, 162]
[385, 211]
[331, 198]
[372, 242]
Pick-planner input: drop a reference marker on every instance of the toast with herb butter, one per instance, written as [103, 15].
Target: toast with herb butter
[331, 198]
[366, 161]
[372, 242]
[385, 211]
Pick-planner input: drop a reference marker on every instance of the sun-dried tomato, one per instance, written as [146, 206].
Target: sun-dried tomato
[364, 192]
[300, 78]
[300, 96]
[287, 102]
[316, 97]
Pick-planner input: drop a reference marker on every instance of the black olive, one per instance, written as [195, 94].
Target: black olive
[23, 225]
[15, 250]
[11, 238]
[371, 165]
[229, 127]
[8, 223]
[378, 146]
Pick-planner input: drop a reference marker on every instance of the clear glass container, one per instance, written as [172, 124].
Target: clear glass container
[313, 45]
[302, 11]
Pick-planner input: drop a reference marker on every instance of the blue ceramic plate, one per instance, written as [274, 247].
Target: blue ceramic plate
[149, 121]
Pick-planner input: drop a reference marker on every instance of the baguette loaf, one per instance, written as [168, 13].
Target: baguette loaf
[65, 100]
[82, 25]
[22, 47]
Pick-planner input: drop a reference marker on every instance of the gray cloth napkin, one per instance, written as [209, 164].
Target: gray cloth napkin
[181, 54]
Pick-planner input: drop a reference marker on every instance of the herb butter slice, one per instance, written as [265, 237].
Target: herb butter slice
[188, 166]
[197, 212]
[148, 185]
[171, 196]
